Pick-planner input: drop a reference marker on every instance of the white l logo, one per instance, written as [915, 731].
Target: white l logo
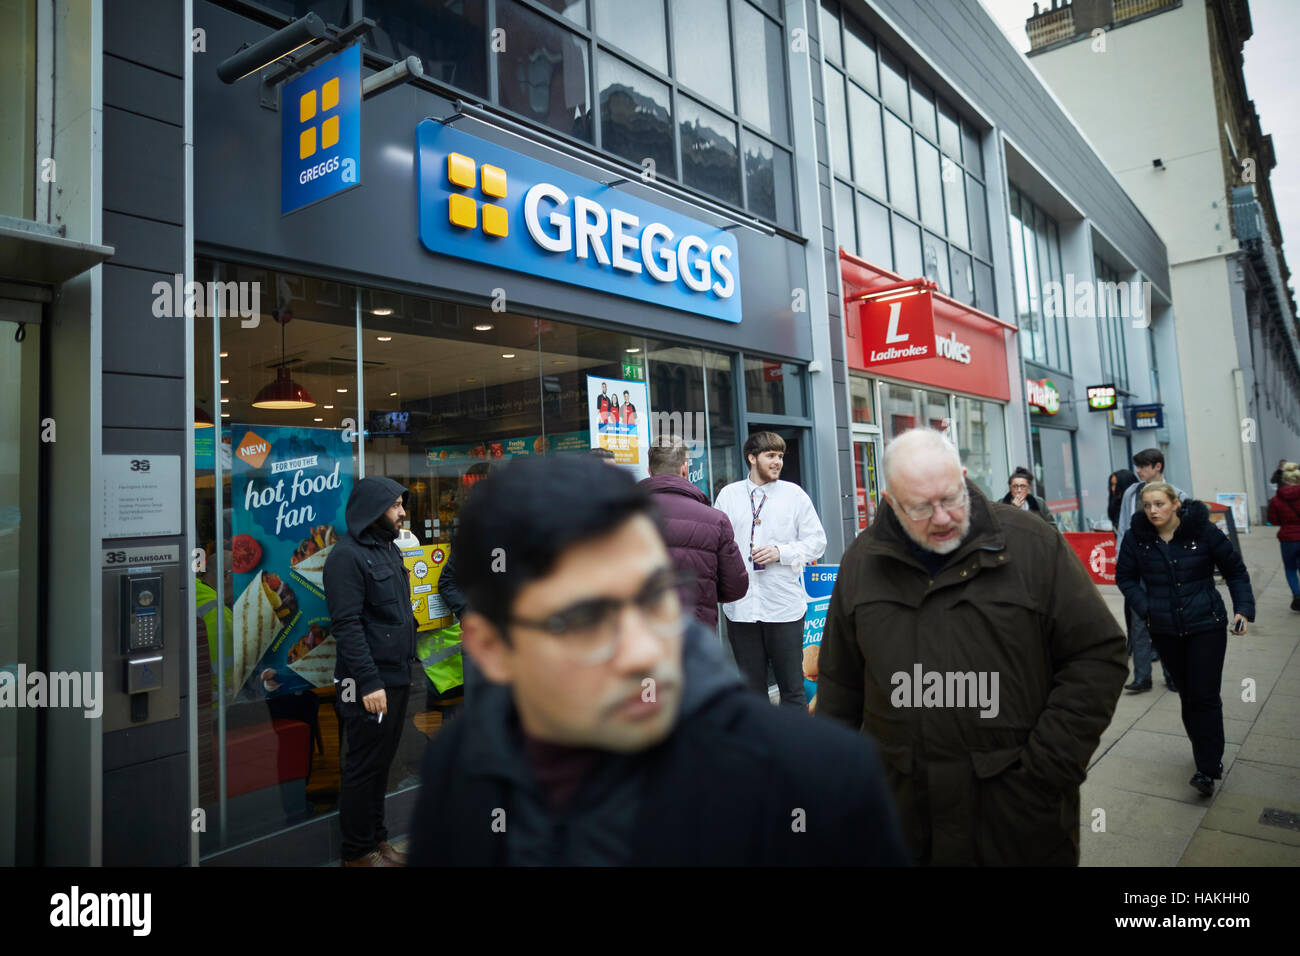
[892, 335]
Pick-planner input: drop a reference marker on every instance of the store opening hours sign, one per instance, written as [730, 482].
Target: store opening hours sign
[898, 327]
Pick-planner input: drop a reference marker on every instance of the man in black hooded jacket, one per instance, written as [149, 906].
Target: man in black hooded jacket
[368, 594]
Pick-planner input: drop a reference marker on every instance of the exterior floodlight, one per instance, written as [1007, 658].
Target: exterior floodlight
[395, 75]
[266, 51]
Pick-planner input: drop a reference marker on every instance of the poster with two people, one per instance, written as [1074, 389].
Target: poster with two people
[618, 413]
[289, 490]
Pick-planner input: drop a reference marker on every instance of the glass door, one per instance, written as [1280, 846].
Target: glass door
[868, 479]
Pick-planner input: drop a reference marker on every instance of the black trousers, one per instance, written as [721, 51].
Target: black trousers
[371, 746]
[754, 643]
[1196, 663]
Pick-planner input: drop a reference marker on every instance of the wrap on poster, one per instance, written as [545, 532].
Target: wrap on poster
[818, 583]
[618, 415]
[1096, 549]
[289, 491]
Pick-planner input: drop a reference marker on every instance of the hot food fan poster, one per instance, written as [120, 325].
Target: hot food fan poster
[289, 490]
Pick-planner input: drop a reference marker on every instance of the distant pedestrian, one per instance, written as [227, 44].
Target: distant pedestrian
[1020, 496]
[1166, 570]
[611, 732]
[777, 530]
[1150, 465]
[699, 536]
[1284, 510]
[984, 617]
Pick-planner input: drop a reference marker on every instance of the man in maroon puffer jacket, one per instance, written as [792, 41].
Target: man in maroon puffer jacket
[699, 536]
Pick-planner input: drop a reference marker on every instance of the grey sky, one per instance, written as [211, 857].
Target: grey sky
[1270, 81]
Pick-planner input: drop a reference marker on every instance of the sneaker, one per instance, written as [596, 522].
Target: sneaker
[1295, 603]
[1218, 774]
[1137, 687]
[392, 854]
[373, 858]
[1203, 783]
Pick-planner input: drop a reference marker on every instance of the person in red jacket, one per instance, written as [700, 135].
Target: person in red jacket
[699, 536]
[1284, 510]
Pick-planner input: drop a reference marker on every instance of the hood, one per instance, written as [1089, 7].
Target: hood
[370, 498]
[677, 485]
[1289, 493]
[1194, 516]
[492, 742]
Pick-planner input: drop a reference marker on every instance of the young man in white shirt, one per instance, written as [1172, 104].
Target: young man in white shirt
[778, 532]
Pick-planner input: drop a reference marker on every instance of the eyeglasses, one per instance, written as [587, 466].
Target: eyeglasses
[1019, 486]
[590, 630]
[951, 503]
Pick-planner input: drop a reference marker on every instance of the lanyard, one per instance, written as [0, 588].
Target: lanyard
[755, 512]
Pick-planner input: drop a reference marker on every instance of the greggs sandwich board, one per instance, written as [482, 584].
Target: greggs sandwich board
[289, 490]
[425, 563]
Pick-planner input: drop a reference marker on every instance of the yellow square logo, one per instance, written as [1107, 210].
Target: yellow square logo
[460, 170]
[462, 211]
[329, 95]
[329, 132]
[494, 220]
[494, 181]
[306, 106]
[307, 142]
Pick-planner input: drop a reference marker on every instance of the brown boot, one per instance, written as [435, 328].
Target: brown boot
[373, 858]
[392, 854]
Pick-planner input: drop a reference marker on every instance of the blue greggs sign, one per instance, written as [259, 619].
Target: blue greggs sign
[483, 202]
[320, 131]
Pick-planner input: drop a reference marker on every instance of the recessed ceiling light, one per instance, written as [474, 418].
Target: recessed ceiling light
[484, 327]
[507, 354]
[225, 414]
[392, 394]
[381, 311]
[318, 419]
[560, 362]
[630, 351]
[341, 391]
[225, 354]
[471, 380]
[384, 338]
[225, 381]
[224, 400]
[327, 406]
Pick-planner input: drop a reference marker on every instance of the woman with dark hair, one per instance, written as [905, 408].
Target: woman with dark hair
[1020, 495]
[1284, 510]
[1166, 571]
[1119, 481]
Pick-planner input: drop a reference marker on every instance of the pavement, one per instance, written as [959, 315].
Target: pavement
[1137, 806]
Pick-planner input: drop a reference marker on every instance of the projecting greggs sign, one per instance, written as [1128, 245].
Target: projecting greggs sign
[1043, 395]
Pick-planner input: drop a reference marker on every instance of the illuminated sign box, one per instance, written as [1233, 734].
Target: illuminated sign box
[1101, 398]
[1147, 416]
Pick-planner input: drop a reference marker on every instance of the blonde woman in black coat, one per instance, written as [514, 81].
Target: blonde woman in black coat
[1166, 571]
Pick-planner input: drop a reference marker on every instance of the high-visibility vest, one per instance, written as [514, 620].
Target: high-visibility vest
[206, 600]
[439, 654]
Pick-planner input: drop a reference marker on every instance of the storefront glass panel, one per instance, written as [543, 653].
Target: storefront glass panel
[862, 395]
[904, 408]
[774, 388]
[982, 441]
[635, 116]
[1055, 471]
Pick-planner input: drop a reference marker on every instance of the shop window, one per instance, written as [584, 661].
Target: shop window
[862, 395]
[637, 28]
[725, 463]
[774, 388]
[899, 163]
[837, 125]
[868, 147]
[544, 73]
[860, 54]
[904, 408]
[761, 84]
[635, 115]
[708, 151]
[450, 40]
[832, 49]
[980, 432]
[1055, 472]
[769, 180]
[702, 49]
[873, 233]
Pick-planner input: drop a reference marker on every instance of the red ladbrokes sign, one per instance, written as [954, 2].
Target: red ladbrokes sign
[898, 327]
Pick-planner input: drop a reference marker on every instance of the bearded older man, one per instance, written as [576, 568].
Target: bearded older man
[966, 638]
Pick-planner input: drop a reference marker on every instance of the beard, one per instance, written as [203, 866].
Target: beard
[941, 547]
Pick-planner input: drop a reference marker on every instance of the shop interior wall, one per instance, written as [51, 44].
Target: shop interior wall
[372, 230]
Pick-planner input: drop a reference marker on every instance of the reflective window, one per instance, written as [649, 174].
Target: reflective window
[904, 408]
[954, 203]
[1035, 246]
[893, 82]
[985, 297]
[761, 83]
[830, 31]
[769, 180]
[837, 126]
[574, 10]
[981, 436]
[978, 218]
[868, 148]
[543, 73]
[862, 395]
[963, 277]
[929, 184]
[450, 41]
[923, 110]
[860, 54]
[898, 156]
[972, 155]
[936, 262]
[708, 151]
[635, 121]
[773, 388]
[844, 217]
[637, 28]
[702, 48]
[873, 233]
[907, 248]
[949, 131]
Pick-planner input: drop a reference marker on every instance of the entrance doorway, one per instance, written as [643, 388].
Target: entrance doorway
[868, 480]
[792, 468]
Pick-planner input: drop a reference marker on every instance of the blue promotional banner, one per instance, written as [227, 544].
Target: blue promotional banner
[320, 131]
[819, 582]
[483, 202]
[289, 489]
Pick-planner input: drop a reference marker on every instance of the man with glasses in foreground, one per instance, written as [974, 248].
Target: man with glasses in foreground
[966, 638]
[611, 732]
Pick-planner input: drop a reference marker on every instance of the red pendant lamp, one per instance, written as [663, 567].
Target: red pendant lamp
[284, 392]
